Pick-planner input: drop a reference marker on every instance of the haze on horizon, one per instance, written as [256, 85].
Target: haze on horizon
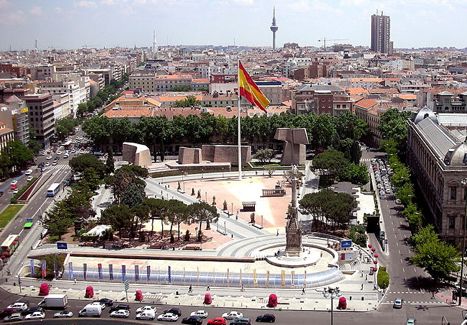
[109, 23]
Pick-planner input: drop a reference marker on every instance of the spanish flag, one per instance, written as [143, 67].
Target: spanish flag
[249, 90]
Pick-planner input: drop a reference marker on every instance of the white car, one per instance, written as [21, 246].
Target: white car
[146, 308]
[63, 314]
[47, 164]
[121, 313]
[99, 304]
[28, 172]
[200, 314]
[232, 315]
[48, 157]
[146, 315]
[168, 317]
[18, 306]
[59, 152]
[29, 178]
[36, 315]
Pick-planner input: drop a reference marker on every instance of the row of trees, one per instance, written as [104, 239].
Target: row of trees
[14, 157]
[65, 127]
[76, 207]
[105, 95]
[341, 168]
[324, 131]
[438, 258]
[328, 208]
[129, 220]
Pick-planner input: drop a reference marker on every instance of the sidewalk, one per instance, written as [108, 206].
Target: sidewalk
[235, 298]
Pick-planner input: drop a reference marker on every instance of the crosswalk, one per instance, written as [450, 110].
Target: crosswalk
[56, 167]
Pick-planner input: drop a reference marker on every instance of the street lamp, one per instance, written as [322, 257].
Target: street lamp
[331, 293]
[464, 183]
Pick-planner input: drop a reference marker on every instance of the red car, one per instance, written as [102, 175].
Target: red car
[217, 321]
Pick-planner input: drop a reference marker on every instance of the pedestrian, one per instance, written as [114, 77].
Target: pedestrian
[190, 289]
[74, 280]
[242, 288]
[303, 290]
[277, 233]
[208, 288]
[361, 287]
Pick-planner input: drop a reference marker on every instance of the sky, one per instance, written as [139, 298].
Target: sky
[98, 23]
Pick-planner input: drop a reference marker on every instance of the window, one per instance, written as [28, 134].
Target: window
[452, 222]
[453, 192]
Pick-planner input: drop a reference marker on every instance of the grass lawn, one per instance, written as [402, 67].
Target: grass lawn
[9, 213]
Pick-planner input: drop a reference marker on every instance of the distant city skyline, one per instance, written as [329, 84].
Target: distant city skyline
[109, 23]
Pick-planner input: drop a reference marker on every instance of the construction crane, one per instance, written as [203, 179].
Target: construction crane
[324, 40]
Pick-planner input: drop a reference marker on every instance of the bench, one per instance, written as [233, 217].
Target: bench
[273, 192]
[249, 206]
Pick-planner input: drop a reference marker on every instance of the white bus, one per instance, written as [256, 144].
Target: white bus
[53, 189]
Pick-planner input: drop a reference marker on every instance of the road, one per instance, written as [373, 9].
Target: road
[390, 317]
[407, 281]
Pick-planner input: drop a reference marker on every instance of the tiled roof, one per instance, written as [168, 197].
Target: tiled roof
[366, 103]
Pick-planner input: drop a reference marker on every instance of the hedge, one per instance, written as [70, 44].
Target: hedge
[383, 278]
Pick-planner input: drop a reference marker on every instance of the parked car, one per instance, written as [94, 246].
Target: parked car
[28, 172]
[241, 321]
[106, 301]
[63, 314]
[121, 313]
[193, 320]
[200, 314]
[411, 321]
[36, 315]
[217, 321]
[99, 304]
[146, 315]
[145, 308]
[31, 310]
[120, 306]
[18, 306]
[232, 315]
[29, 178]
[174, 310]
[168, 317]
[15, 317]
[397, 303]
[266, 318]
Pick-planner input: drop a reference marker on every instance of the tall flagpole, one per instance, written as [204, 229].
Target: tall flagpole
[239, 128]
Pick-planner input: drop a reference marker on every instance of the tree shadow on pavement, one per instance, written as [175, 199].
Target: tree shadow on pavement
[425, 283]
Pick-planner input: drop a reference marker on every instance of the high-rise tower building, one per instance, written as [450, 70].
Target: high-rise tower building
[154, 44]
[274, 28]
[381, 33]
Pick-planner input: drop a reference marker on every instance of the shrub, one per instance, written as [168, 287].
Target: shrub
[383, 278]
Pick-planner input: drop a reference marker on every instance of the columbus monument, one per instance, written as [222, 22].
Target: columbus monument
[295, 141]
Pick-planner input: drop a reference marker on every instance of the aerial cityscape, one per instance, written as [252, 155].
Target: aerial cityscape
[233, 162]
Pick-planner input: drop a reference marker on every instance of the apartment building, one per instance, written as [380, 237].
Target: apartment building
[41, 116]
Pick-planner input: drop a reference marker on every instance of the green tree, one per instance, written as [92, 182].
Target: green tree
[64, 127]
[383, 278]
[189, 101]
[436, 257]
[81, 163]
[333, 161]
[357, 174]
[405, 193]
[393, 125]
[203, 212]
[19, 155]
[264, 155]
[58, 219]
[109, 163]
[119, 217]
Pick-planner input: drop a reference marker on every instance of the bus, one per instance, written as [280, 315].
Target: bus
[14, 185]
[9, 245]
[53, 189]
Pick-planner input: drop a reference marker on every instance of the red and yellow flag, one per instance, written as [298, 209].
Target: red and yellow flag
[249, 90]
